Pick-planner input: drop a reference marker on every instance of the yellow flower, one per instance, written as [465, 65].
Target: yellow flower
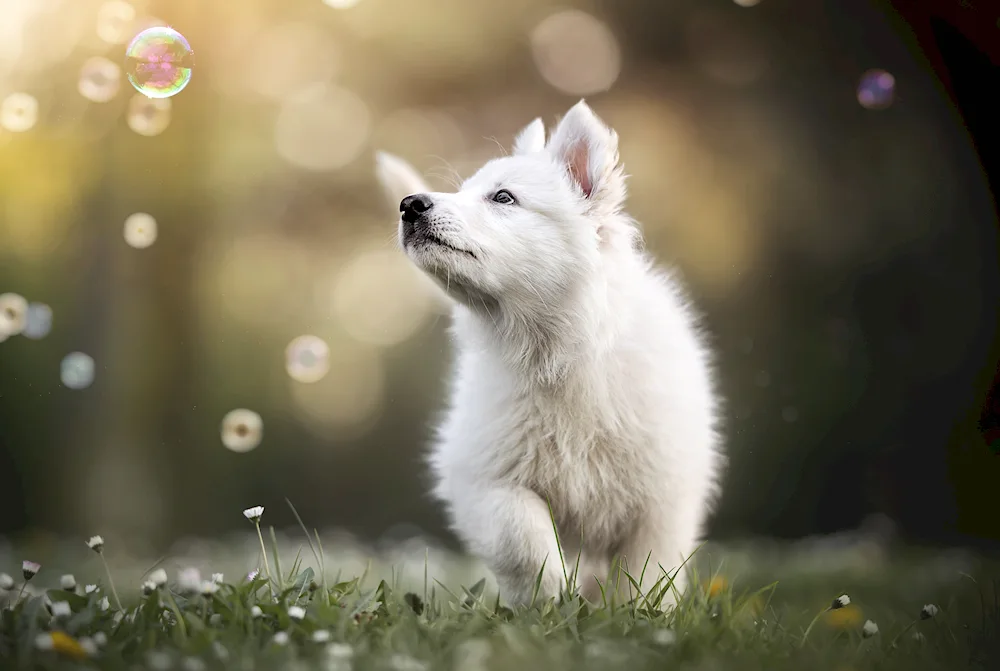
[844, 618]
[67, 645]
[716, 586]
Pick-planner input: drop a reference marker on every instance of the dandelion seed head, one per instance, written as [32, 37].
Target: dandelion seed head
[96, 543]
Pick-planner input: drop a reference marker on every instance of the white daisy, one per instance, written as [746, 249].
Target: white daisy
[321, 636]
[217, 577]
[104, 604]
[840, 602]
[90, 589]
[254, 514]
[44, 641]
[6, 582]
[928, 611]
[100, 638]
[158, 577]
[96, 543]
[256, 612]
[189, 580]
[296, 612]
[67, 582]
[664, 636]
[61, 609]
[340, 651]
[89, 645]
[208, 588]
[281, 638]
[30, 569]
[869, 630]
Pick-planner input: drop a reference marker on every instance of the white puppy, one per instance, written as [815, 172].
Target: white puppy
[581, 383]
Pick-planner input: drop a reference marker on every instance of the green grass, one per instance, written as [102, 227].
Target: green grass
[747, 609]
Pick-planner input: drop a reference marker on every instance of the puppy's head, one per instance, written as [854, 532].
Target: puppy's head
[526, 228]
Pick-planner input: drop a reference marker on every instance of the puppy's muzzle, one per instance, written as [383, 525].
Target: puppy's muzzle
[413, 208]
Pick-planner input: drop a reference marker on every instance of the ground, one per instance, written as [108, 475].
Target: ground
[754, 606]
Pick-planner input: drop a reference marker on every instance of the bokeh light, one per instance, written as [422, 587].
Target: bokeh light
[19, 112]
[100, 79]
[322, 128]
[340, 4]
[576, 52]
[307, 359]
[158, 62]
[242, 430]
[115, 20]
[140, 230]
[747, 3]
[148, 116]
[876, 90]
[38, 321]
[77, 370]
[379, 299]
[13, 313]
[278, 61]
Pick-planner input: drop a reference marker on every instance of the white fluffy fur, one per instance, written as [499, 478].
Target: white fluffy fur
[581, 379]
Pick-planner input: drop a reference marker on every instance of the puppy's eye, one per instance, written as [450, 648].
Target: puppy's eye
[504, 197]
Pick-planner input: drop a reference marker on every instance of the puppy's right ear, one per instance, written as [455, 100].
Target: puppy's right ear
[398, 178]
[531, 139]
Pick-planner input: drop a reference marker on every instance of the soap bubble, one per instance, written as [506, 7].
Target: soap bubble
[876, 89]
[13, 313]
[140, 230]
[307, 359]
[158, 62]
[37, 321]
[242, 430]
[77, 370]
[18, 112]
[100, 79]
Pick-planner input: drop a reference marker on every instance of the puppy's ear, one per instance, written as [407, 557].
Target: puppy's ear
[589, 150]
[531, 139]
[398, 178]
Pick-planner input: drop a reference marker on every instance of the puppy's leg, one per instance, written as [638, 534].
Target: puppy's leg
[659, 540]
[510, 529]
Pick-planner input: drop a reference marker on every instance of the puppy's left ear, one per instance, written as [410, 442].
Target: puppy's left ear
[589, 150]
[531, 139]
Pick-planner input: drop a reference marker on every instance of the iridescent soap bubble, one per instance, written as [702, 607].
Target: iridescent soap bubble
[158, 62]
[77, 370]
[140, 230]
[876, 89]
[242, 430]
[307, 359]
[38, 321]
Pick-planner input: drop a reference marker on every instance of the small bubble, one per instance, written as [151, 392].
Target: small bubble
[140, 230]
[307, 359]
[19, 112]
[158, 62]
[242, 430]
[114, 21]
[77, 370]
[100, 80]
[148, 116]
[876, 89]
[38, 321]
[13, 314]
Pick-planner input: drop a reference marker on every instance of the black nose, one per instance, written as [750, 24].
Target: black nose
[413, 206]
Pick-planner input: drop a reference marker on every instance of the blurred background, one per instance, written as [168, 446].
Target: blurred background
[797, 161]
